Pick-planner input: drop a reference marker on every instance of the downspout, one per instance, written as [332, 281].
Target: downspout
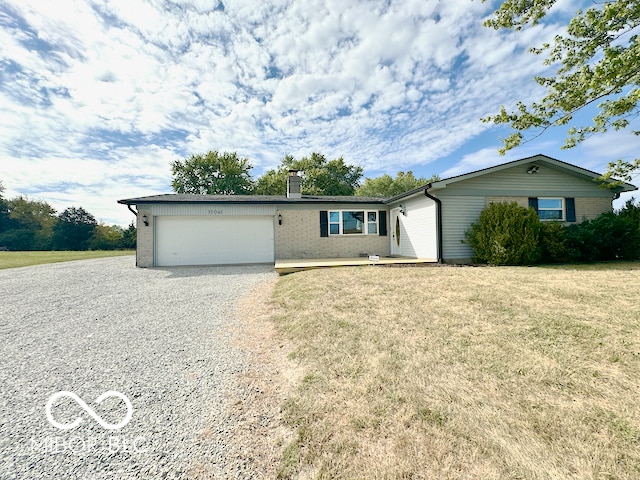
[438, 220]
[136, 214]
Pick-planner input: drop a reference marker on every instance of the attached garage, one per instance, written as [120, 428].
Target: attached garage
[199, 229]
[219, 240]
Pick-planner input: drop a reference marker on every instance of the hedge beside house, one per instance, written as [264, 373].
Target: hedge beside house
[508, 234]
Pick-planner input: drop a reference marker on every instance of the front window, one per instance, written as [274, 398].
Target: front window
[334, 223]
[372, 223]
[353, 222]
[551, 208]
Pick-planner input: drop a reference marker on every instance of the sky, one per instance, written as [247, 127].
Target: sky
[98, 97]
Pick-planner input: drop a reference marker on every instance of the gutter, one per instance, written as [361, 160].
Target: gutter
[132, 210]
[304, 200]
[438, 220]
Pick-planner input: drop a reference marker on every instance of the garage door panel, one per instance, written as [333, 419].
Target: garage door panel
[213, 241]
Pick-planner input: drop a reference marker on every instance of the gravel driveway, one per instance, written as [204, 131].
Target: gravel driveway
[159, 337]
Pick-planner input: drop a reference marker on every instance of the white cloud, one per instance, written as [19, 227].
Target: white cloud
[94, 184]
[612, 146]
[103, 89]
[489, 157]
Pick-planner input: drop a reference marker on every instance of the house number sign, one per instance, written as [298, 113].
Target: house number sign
[215, 211]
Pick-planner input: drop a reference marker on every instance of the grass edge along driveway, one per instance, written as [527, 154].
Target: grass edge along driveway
[28, 258]
[452, 373]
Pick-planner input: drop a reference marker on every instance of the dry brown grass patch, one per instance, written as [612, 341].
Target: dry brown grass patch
[503, 373]
[259, 434]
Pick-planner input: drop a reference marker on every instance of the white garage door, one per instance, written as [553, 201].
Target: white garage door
[213, 240]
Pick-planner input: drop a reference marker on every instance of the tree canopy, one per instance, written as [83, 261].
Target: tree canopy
[74, 229]
[321, 176]
[598, 63]
[27, 224]
[386, 186]
[4, 210]
[212, 173]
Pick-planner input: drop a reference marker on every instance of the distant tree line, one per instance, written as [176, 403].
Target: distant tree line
[34, 225]
[225, 173]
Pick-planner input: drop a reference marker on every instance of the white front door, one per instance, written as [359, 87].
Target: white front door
[396, 232]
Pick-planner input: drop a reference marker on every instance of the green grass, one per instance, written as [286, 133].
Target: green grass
[463, 373]
[25, 259]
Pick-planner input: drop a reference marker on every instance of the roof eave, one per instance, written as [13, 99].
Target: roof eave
[276, 201]
[625, 187]
[410, 193]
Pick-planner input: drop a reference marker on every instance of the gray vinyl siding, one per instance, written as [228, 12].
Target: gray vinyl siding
[515, 181]
[463, 201]
[457, 214]
[196, 209]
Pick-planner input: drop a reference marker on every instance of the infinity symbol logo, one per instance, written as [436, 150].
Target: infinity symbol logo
[94, 415]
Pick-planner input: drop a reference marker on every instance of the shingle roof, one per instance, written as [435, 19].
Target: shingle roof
[255, 199]
[282, 199]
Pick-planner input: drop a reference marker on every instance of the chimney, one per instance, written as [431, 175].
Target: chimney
[293, 184]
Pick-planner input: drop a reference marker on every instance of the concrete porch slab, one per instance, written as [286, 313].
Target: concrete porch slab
[297, 265]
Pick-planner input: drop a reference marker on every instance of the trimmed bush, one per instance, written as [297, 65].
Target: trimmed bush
[613, 237]
[610, 236]
[552, 247]
[630, 213]
[506, 234]
[579, 241]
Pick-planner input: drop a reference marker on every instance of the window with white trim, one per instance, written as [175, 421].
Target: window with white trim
[353, 222]
[551, 208]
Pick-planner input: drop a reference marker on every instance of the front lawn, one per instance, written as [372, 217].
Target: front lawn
[24, 259]
[464, 373]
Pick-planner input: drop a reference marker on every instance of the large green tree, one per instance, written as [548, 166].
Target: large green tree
[387, 186]
[74, 229]
[321, 176]
[26, 224]
[129, 237]
[4, 212]
[598, 63]
[107, 237]
[212, 173]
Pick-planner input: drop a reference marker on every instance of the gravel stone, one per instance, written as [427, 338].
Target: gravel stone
[159, 336]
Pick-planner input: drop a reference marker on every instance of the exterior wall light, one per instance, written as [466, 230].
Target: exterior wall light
[145, 220]
[280, 219]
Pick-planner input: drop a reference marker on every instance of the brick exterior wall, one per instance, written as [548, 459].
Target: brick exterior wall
[144, 250]
[587, 208]
[299, 237]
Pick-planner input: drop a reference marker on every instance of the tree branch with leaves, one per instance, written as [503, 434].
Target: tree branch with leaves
[598, 63]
